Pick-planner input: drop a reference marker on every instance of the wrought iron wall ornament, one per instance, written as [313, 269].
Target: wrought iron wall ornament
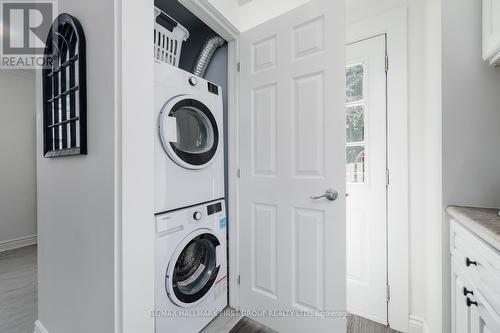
[64, 90]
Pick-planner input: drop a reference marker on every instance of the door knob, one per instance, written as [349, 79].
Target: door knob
[330, 194]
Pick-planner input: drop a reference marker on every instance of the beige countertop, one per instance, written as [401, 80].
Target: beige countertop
[484, 222]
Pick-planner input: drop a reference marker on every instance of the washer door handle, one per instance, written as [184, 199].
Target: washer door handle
[219, 255]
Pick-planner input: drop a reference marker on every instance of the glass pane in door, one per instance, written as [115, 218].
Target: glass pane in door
[355, 164]
[355, 124]
[194, 131]
[354, 83]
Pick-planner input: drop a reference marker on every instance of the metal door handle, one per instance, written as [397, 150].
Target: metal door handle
[330, 194]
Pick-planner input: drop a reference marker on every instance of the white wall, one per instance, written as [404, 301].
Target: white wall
[431, 135]
[471, 110]
[471, 119]
[424, 118]
[135, 120]
[76, 226]
[17, 164]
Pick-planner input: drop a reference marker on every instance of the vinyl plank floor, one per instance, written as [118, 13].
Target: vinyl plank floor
[18, 302]
[224, 322]
[247, 325]
[18, 290]
[355, 324]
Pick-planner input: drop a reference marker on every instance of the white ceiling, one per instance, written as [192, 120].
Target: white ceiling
[246, 14]
[243, 2]
[361, 9]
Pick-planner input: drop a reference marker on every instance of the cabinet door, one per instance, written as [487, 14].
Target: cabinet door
[484, 318]
[491, 31]
[460, 312]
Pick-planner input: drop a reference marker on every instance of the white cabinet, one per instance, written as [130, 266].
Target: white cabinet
[491, 31]
[475, 283]
[461, 313]
[484, 318]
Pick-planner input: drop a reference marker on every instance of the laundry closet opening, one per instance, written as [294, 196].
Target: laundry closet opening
[191, 163]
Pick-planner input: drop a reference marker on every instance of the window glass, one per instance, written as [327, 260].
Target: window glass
[195, 266]
[355, 158]
[355, 124]
[354, 83]
[195, 134]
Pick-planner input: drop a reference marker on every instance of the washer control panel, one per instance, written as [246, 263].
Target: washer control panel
[210, 215]
[193, 81]
[197, 215]
[214, 208]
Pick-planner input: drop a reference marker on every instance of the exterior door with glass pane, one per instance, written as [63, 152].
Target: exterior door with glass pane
[366, 179]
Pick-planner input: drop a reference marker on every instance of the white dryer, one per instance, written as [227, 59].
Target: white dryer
[191, 269]
[189, 148]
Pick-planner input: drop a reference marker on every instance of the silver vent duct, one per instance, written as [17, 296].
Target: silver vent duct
[207, 51]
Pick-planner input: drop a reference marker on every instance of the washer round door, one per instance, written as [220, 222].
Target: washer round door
[188, 132]
[193, 268]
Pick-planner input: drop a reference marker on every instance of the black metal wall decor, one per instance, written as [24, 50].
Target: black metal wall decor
[64, 89]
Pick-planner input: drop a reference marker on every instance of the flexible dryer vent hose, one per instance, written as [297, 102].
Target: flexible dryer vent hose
[207, 51]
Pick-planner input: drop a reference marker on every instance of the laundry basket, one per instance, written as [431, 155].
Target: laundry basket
[168, 38]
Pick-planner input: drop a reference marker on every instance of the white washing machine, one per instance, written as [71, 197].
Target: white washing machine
[191, 267]
[189, 148]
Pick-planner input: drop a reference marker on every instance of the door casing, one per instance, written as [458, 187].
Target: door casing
[211, 17]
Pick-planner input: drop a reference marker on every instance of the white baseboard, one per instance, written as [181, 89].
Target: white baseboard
[39, 327]
[417, 325]
[17, 243]
[27, 73]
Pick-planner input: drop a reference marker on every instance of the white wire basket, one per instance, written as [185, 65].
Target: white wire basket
[168, 38]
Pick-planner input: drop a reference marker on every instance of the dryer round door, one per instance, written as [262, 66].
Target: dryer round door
[193, 268]
[189, 132]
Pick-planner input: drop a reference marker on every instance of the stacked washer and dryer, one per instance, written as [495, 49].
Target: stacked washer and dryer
[190, 215]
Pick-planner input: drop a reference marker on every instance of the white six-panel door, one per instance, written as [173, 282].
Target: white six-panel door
[292, 147]
[366, 158]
